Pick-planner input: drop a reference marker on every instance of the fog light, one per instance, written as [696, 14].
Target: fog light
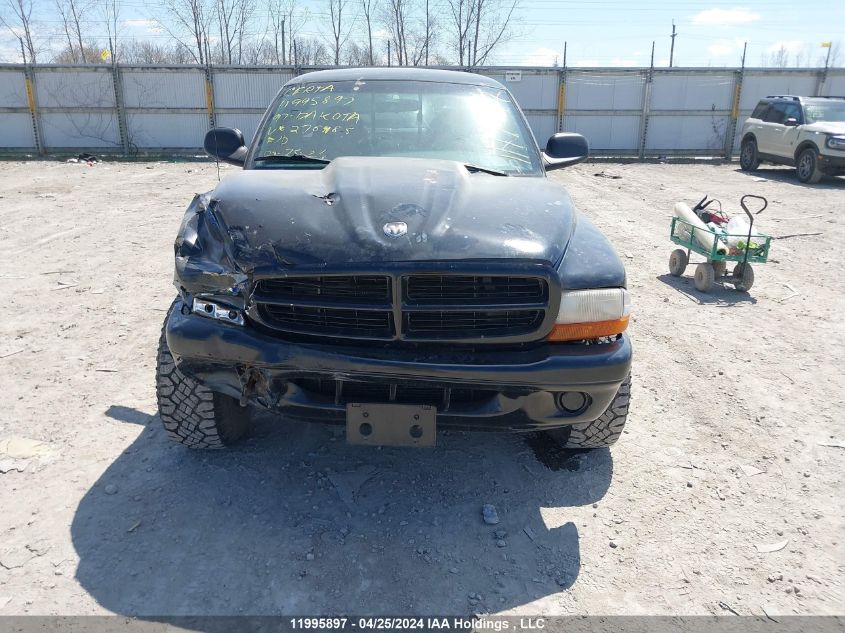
[214, 311]
[572, 402]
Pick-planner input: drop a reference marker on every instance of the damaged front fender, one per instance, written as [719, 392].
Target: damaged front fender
[205, 265]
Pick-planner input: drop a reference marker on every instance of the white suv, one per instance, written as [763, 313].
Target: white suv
[807, 132]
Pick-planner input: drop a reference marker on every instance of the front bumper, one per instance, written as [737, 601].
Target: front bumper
[244, 363]
[832, 164]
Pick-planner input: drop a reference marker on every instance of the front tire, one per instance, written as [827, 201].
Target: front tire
[191, 413]
[749, 159]
[744, 277]
[604, 431]
[807, 167]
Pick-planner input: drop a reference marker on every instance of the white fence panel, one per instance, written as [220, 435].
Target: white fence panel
[80, 129]
[691, 92]
[604, 91]
[543, 126]
[247, 89]
[166, 131]
[173, 88]
[606, 133]
[70, 88]
[12, 89]
[246, 123]
[757, 84]
[17, 130]
[683, 132]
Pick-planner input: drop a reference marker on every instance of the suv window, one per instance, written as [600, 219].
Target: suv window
[776, 113]
[760, 110]
[780, 112]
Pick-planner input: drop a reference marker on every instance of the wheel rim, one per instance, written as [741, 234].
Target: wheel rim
[805, 165]
[747, 152]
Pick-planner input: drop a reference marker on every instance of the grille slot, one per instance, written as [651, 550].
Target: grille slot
[350, 288]
[371, 392]
[463, 289]
[466, 324]
[328, 321]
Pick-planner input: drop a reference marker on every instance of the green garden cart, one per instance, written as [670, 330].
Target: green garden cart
[746, 249]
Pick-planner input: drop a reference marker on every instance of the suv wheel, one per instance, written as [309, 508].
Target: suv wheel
[807, 167]
[191, 413]
[602, 432]
[748, 157]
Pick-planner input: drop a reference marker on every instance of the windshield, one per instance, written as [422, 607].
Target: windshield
[827, 111]
[475, 125]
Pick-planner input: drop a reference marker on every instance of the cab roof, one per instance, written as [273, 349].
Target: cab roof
[395, 74]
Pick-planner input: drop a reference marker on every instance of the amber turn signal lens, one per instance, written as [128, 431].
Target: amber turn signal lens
[582, 331]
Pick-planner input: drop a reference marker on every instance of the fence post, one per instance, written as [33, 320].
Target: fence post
[645, 113]
[730, 133]
[820, 83]
[209, 96]
[561, 98]
[32, 103]
[120, 111]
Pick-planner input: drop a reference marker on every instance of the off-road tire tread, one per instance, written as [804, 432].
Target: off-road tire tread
[191, 413]
[607, 429]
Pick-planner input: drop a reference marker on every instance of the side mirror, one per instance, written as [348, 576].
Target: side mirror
[791, 122]
[565, 149]
[227, 144]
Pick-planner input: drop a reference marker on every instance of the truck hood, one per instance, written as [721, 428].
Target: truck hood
[337, 215]
[826, 127]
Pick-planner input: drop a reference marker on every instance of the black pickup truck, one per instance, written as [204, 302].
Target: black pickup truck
[392, 257]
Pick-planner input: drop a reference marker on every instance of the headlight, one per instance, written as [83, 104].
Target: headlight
[836, 142]
[588, 314]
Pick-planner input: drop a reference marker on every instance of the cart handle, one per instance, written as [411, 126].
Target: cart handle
[751, 219]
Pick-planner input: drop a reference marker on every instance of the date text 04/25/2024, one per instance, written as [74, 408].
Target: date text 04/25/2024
[486, 623]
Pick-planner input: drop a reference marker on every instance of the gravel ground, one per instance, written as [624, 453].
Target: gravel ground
[734, 442]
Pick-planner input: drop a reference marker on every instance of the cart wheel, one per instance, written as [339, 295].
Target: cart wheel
[744, 277]
[678, 261]
[719, 269]
[704, 276]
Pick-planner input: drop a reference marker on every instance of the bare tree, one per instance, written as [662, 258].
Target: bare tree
[190, 29]
[340, 30]
[276, 27]
[367, 10]
[461, 15]
[73, 14]
[20, 25]
[295, 20]
[779, 58]
[110, 11]
[492, 28]
[478, 27]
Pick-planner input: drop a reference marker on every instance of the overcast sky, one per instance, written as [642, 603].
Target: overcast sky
[598, 33]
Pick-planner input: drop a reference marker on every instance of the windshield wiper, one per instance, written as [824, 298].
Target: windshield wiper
[475, 168]
[291, 158]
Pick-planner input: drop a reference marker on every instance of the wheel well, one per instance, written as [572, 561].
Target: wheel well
[748, 137]
[803, 146]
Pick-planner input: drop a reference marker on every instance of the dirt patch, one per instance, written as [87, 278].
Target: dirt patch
[733, 446]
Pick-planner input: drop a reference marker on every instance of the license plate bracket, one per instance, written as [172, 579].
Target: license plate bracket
[391, 424]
